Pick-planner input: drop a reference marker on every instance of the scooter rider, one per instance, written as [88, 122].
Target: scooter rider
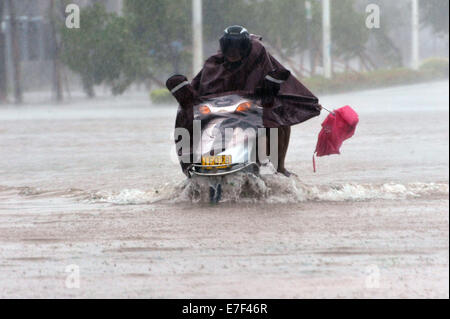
[244, 65]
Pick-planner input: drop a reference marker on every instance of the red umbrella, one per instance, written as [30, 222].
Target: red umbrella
[337, 127]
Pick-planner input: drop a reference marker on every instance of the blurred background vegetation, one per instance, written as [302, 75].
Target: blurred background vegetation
[139, 43]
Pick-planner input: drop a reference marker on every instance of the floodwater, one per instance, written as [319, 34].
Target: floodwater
[94, 204]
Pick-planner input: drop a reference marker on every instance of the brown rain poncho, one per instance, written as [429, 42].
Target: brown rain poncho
[293, 104]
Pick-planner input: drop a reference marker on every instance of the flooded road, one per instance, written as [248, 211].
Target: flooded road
[96, 186]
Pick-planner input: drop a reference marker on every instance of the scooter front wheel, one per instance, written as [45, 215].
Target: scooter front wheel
[215, 193]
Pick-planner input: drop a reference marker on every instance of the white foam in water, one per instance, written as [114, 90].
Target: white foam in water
[124, 197]
[127, 197]
[271, 188]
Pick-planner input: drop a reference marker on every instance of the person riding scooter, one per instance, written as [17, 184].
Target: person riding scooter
[243, 65]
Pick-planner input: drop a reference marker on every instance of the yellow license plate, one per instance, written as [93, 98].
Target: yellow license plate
[222, 160]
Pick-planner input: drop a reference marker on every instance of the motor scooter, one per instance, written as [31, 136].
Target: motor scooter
[231, 133]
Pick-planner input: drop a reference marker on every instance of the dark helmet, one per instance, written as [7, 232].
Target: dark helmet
[235, 37]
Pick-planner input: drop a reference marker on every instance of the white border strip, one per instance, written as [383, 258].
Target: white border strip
[179, 86]
[268, 77]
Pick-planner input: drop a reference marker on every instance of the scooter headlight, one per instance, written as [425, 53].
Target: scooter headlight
[243, 107]
[204, 109]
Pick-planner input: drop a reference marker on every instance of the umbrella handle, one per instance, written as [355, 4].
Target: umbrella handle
[327, 110]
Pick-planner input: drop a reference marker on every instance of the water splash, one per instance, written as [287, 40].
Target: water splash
[241, 188]
[270, 188]
[132, 196]
[246, 187]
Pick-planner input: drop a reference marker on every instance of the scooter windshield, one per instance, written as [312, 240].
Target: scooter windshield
[232, 110]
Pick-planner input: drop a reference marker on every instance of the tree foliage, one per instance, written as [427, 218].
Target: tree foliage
[162, 30]
[102, 51]
[348, 32]
[153, 39]
[435, 14]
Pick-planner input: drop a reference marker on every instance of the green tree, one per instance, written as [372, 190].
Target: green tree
[282, 24]
[435, 13]
[102, 51]
[219, 14]
[162, 30]
[348, 30]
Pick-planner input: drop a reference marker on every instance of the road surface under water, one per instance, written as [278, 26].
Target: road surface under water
[95, 184]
